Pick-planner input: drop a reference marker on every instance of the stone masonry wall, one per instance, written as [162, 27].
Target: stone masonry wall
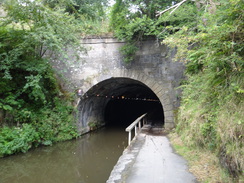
[153, 66]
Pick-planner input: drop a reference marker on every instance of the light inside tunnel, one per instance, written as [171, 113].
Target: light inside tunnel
[119, 101]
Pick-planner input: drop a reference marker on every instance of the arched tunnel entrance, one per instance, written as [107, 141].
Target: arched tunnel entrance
[118, 102]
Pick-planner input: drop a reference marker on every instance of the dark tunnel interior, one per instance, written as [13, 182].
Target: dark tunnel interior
[124, 112]
[126, 100]
[131, 100]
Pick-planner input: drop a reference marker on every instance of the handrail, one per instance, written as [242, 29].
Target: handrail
[134, 125]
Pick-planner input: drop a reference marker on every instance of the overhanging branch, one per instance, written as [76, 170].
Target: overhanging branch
[174, 6]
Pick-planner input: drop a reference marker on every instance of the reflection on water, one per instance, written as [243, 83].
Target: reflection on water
[89, 159]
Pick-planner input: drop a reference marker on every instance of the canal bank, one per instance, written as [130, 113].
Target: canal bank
[151, 159]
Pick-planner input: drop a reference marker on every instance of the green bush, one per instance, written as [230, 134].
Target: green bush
[46, 126]
[17, 139]
[55, 124]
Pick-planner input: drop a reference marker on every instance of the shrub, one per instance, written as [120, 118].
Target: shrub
[17, 139]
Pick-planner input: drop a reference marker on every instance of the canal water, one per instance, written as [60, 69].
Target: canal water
[88, 159]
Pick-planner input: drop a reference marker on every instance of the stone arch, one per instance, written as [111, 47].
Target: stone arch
[153, 65]
[161, 89]
[98, 96]
[162, 92]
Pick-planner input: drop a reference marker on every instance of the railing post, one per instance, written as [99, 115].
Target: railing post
[129, 138]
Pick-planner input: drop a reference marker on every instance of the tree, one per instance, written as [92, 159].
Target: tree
[27, 32]
[92, 9]
[29, 91]
[134, 21]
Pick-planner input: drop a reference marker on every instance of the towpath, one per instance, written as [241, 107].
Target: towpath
[151, 159]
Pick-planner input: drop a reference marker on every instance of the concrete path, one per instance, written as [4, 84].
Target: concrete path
[150, 159]
[156, 163]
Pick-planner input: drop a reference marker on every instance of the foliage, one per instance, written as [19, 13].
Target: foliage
[170, 23]
[93, 125]
[30, 97]
[213, 101]
[92, 9]
[91, 15]
[95, 28]
[57, 124]
[129, 50]
[41, 28]
[47, 126]
[134, 21]
[13, 140]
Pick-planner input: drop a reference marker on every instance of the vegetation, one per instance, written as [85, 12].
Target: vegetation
[134, 21]
[209, 39]
[93, 125]
[91, 15]
[33, 108]
[211, 113]
[202, 163]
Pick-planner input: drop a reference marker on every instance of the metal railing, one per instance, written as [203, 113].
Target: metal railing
[137, 125]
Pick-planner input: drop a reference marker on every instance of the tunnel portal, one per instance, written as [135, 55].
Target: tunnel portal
[118, 102]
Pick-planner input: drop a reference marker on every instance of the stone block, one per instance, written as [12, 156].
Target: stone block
[139, 78]
[167, 101]
[156, 86]
[168, 107]
[169, 118]
[161, 94]
[169, 125]
[169, 113]
[147, 81]
[158, 90]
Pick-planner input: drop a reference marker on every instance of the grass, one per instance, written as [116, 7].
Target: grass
[203, 164]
